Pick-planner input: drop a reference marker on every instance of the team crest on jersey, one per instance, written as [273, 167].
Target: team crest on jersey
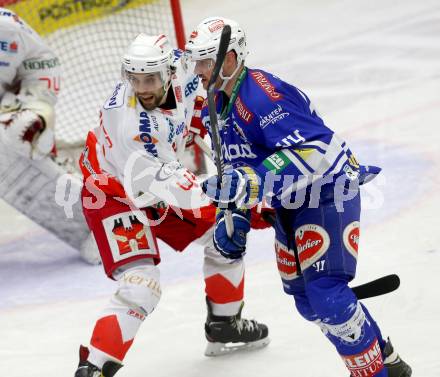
[128, 237]
[312, 241]
[350, 237]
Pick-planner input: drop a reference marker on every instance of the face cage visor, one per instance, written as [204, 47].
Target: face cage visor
[147, 82]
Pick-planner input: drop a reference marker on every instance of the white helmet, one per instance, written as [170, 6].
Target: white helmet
[149, 54]
[204, 40]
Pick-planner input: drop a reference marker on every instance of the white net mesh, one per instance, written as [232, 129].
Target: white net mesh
[90, 54]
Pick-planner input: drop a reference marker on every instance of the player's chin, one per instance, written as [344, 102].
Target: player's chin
[149, 103]
[204, 82]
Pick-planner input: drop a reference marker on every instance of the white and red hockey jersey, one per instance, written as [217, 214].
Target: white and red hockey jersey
[135, 153]
[29, 69]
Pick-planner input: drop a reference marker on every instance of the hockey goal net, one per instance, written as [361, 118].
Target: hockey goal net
[89, 37]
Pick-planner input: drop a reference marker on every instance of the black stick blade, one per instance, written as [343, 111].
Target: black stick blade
[381, 286]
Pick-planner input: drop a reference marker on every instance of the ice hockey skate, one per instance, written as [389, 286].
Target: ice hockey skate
[229, 334]
[86, 369]
[396, 367]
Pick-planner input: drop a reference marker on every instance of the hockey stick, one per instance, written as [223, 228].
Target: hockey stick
[222, 50]
[378, 287]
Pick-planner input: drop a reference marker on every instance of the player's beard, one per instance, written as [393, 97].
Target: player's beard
[150, 101]
[205, 80]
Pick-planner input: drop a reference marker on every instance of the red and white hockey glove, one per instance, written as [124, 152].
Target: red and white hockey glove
[196, 126]
[22, 131]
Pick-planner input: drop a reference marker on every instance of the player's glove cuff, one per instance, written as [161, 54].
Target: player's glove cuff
[241, 188]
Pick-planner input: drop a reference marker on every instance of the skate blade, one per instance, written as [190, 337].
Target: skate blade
[221, 349]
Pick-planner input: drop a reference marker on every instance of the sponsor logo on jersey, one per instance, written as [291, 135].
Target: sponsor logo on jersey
[312, 241]
[191, 86]
[41, 64]
[155, 123]
[145, 133]
[242, 110]
[350, 237]
[180, 128]
[266, 85]
[11, 14]
[294, 139]
[11, 47]
[276, 162]
[273, 117]
[4, 64]
[285, 261]
[234, 151]
[171, 134]
[368, 363]
[117, 98]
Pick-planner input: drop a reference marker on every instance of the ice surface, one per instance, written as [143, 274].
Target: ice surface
[372, 69]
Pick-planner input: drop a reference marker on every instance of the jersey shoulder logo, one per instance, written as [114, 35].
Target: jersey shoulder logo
[117, 98]
[266, 85]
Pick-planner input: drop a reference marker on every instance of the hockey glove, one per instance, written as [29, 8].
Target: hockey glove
[234, 247]
[241, 188]
[19, 130]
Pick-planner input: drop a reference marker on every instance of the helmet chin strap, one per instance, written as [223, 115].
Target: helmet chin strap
[165, 88]
[227, 78]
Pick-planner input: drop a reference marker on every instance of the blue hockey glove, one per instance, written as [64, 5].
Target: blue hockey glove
[234, 247]
[241, 188]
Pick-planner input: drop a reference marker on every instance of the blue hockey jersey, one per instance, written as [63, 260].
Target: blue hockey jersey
[273, 127]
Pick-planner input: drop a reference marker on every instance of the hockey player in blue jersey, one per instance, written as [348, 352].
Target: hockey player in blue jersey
[278, 148]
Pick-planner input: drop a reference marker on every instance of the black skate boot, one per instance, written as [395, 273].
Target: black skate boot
[86, 369]
[228, 334]
[396, 367]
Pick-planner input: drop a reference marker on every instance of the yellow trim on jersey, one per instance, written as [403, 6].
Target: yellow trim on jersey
[304, 153]
[132, 102]
[353, 161]
[47, 16]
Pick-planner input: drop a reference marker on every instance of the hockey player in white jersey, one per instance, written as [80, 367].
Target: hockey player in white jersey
[131, 166]
[29, 84]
